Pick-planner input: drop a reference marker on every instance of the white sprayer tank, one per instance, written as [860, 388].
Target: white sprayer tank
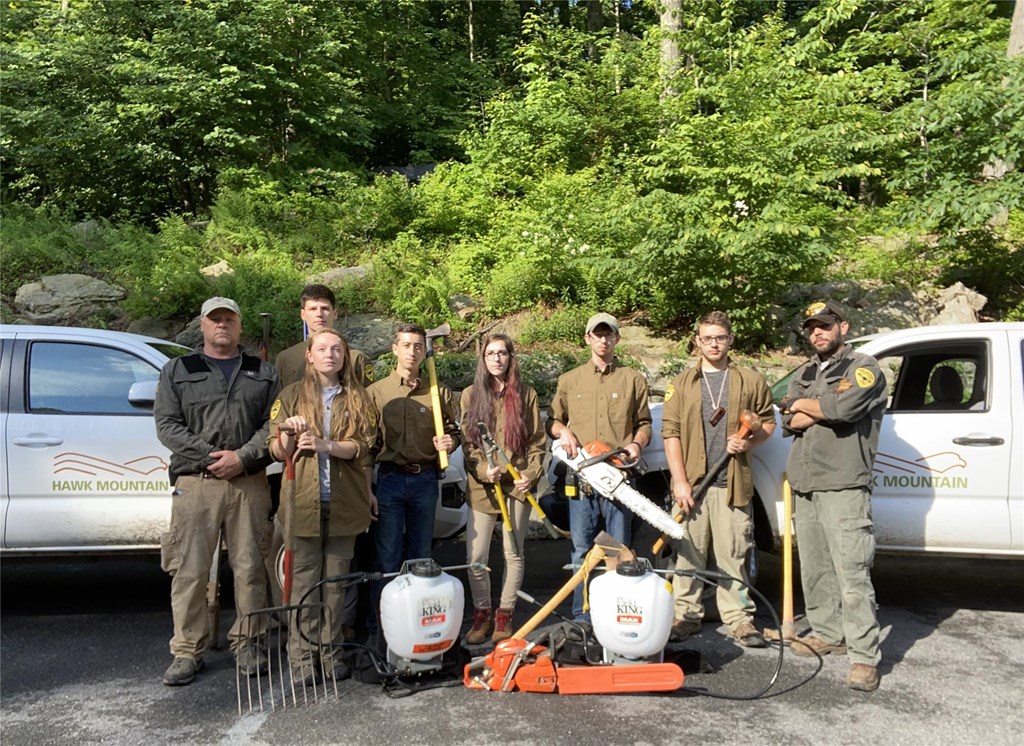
[631, 610]
[421, 611]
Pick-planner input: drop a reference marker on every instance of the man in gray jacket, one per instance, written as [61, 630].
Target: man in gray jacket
[211, 410]
[833, 410]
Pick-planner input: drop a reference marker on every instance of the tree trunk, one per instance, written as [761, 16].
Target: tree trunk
[1016, 46]
[469, 24]
[670, 23]
[595, 22]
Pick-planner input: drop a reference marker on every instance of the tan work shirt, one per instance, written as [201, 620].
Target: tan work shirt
[682, 417]
[530, 465]
[350, 497]
[405, 420]
[610, 405]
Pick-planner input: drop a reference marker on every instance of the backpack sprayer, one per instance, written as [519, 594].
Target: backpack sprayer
[421, 611]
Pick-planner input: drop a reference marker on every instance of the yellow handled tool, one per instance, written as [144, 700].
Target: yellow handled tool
[435, 392]
[492, 447]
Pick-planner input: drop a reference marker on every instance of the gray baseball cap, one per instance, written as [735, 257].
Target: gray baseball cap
[212, 304]
[602, 318]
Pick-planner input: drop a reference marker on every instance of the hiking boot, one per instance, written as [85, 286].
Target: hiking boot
[483, 626]
[684, 629]
[304, 676]
[862, 677]
[502, 625]
[338, 671]
[182, 671]
[813, 645]
[746, 634]
[250, 658]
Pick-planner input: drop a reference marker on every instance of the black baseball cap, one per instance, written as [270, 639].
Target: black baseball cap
[827, 312]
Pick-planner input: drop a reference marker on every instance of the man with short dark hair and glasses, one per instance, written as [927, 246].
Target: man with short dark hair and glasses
[700, 418]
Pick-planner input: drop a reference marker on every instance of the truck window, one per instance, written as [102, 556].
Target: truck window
[71, 378]
[952, 378]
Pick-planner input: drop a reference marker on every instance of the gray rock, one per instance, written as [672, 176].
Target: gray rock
[67, 299]
[159, 328]
[367, 332]
[219, 269]
[340, 275]
[191, 335]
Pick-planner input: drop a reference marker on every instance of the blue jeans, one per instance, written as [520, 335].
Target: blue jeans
[406, 504]
[584, 514]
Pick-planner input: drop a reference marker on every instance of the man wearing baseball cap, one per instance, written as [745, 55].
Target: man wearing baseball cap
[211, 410]
[600, 400]
[833, 411]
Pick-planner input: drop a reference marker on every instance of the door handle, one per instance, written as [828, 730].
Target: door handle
[989, 441]
[38, 441]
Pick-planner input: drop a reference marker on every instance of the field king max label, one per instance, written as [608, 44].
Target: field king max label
[434, 611]
[628, 611]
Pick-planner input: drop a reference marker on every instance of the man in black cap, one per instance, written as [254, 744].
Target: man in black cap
[833, 411]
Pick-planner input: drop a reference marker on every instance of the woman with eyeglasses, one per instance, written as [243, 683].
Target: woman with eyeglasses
[328, 423]
[509, 410]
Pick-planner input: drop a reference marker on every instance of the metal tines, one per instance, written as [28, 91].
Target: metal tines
[280, 683]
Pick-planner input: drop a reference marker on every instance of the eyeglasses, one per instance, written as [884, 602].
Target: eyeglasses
[720, 338]
[496, 354]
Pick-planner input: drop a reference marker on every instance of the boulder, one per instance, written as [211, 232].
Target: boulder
[340, 276]
[159, 328]
[68, 300]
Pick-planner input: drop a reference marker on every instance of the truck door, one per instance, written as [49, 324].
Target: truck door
[943, 465]
[84, 466]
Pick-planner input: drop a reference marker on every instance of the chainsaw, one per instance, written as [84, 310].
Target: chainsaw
[602, 468]
[632, 623]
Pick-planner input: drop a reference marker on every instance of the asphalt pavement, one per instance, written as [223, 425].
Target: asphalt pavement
[83, 646]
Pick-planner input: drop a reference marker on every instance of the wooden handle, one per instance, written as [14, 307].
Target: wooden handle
[749, 424]
[435, 405]
[595, 556]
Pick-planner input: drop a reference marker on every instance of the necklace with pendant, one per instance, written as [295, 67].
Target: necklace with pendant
[718, 412]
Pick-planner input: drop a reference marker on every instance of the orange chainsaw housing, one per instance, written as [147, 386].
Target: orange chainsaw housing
[543, 675]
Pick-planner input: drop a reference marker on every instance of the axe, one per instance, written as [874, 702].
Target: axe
[749, 424]
[435, 392]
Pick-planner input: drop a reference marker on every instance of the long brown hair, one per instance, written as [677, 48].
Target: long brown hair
[486, 389]
[360, 420]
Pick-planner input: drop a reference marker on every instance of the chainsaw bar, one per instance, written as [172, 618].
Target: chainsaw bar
[611, 482]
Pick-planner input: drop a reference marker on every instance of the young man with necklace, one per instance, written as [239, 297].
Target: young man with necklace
[699, 423]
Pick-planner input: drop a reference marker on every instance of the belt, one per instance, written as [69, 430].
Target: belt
[204, 474]
[422, 467]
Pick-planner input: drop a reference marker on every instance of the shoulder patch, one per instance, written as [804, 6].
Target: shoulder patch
[864, 377]
[275, 410]
[670, 392]
[368, 372]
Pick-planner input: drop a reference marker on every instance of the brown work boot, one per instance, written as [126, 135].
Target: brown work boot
[683, 629]
[813, 645]
[502, 625]
[483, 626]
[862, 677]
[746, 634]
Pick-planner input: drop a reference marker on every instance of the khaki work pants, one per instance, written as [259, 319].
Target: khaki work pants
[479, 530]
[836, 542]
[200, 508]
[727, 531]
[316, 558]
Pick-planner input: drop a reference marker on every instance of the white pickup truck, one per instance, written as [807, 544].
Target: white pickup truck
[949, 474]
[82, 469]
